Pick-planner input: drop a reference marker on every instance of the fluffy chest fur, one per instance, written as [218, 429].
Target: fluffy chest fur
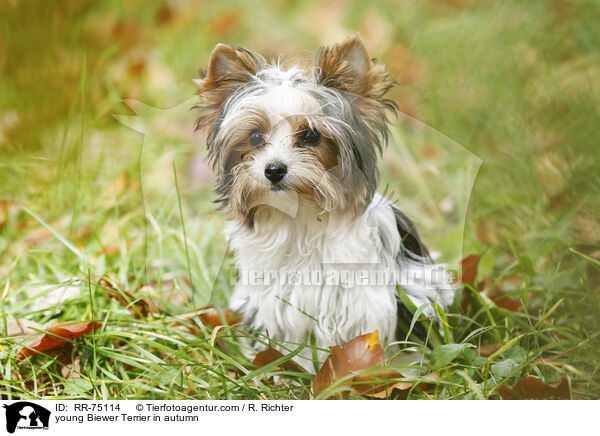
[310, 273]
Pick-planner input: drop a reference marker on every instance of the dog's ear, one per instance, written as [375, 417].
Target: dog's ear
[347, 66]
[228, 69]
[228, 64]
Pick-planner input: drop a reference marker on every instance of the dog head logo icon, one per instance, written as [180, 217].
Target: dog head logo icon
[26, 415]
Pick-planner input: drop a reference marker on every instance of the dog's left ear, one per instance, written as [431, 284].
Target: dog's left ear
[348, 67]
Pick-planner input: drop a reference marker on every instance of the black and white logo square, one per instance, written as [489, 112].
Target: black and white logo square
[24, 415]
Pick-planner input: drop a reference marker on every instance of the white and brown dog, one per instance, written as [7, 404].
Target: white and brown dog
[320, 251]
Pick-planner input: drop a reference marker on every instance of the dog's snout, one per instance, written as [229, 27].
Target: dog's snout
[275, 171]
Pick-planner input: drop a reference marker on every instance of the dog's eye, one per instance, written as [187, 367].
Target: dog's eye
[256, 138]
[310, 137]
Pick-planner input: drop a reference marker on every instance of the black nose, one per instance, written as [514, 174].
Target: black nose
[275, 171]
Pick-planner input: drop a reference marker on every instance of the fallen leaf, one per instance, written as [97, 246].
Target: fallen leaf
[468, 273]
[469, 269]
[496, 292]
[533, 388]
[64, 332]
[498, 296]
[270, 355]
[360, 353]
[507, 303]
[72, 369]
[391, 390]
[71, 365]
[210, 317]
[487, 350]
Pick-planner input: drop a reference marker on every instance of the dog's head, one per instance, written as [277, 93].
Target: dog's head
[313, 132]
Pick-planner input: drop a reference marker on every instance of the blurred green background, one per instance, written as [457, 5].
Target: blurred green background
[513, 83]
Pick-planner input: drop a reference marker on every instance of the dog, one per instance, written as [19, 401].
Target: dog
[320, 251]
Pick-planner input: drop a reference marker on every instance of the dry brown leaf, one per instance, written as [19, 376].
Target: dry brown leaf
[487, 350]
[498, 296]
[495, 292]
[469, 267]
[468, 273]
[533, 388]
[210, 317]
[269, 355]
[360, 353]
[48, 342]
[398, 390]
[71, 368]
[507, 303]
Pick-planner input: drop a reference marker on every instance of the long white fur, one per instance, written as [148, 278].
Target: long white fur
[292, 235]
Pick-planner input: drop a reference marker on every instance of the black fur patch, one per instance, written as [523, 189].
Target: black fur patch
[412, 245]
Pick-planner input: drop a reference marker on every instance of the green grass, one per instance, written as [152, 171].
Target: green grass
[512, 85]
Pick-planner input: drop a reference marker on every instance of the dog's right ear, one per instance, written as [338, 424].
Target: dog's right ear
[228, 64]
[228, 69]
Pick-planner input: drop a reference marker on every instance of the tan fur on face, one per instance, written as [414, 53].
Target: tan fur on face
[326, 151]
[233, 145]
[312, 183]
[245, 195]
[343, 100]
[315, 183]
